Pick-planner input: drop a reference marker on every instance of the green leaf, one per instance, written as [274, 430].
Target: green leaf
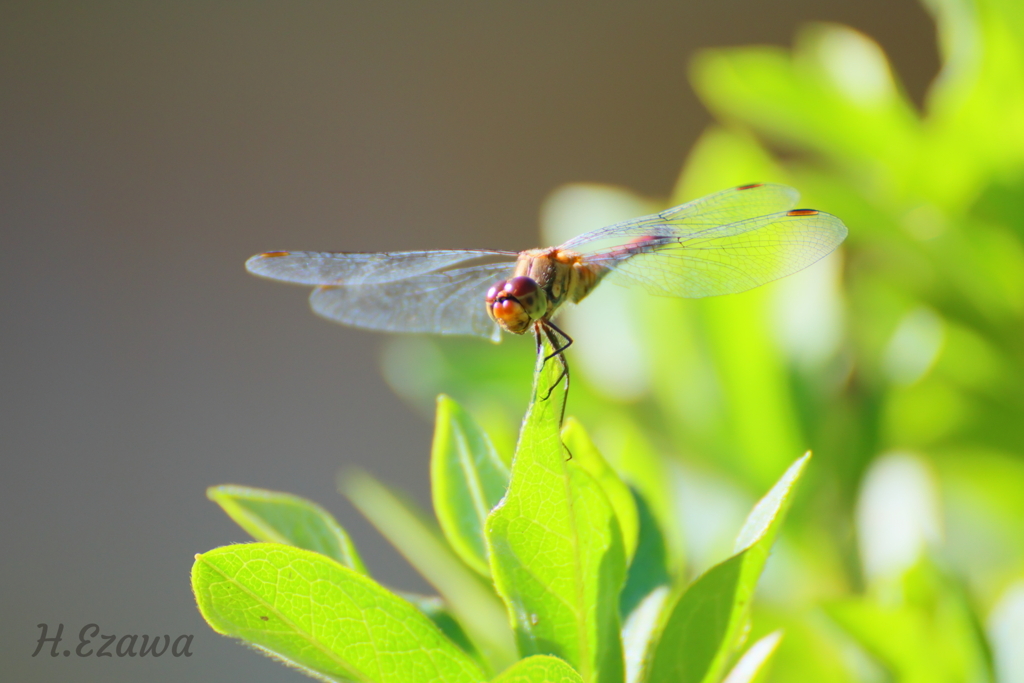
[468, 478]
[751, 666]
[539, 669]
[586, 455]
[705, 626]
[322, 617]
[632, 456]
[411, 532]
[277, 517]
[649, 568]
[556, 550]
[765, 520]
[640, 629]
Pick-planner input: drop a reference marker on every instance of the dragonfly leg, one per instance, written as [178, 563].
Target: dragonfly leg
[548, 327]
[564, 375]
[550, 331]
[551, 334]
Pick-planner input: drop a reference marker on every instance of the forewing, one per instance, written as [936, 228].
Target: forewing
[693, 218]
[330, 268]
[724, 259]
[448, 302]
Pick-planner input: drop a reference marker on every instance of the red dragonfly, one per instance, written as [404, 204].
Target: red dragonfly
[727, 242]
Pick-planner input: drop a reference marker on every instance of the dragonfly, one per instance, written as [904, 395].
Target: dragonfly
[724, 243]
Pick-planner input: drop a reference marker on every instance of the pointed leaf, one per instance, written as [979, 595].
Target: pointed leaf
[635, 459]
[555, 547]
[586, 455]
[322, 617]
[640, 629]
[649, 568]
[420, 542]
[752, 663]
[705, 626]
[539, 669]
[764, 521]
[277, 517]
[468, 478]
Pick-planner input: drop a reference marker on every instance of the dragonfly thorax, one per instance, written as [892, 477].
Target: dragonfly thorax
[543, 280]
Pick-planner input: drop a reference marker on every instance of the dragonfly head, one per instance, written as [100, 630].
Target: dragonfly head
[516, 303]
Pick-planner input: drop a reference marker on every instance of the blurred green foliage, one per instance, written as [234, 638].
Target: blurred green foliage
[899, 361]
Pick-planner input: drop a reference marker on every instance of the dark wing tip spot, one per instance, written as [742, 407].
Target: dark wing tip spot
[750, 187]
[802, 212]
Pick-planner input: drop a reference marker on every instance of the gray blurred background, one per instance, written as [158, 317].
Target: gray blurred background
[147, 149]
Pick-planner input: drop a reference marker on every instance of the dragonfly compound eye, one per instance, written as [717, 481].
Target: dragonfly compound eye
[493, 292]
[521, 287]
[516, 303]
[528, 293]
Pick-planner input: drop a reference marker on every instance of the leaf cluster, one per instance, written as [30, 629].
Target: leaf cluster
[554, 569]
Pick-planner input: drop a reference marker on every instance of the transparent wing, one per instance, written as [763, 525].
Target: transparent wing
[692, 218]
[329, 268]
[447, 302]
[675, 259]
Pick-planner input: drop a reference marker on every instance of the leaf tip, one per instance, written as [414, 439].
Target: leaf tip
[774, 503]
